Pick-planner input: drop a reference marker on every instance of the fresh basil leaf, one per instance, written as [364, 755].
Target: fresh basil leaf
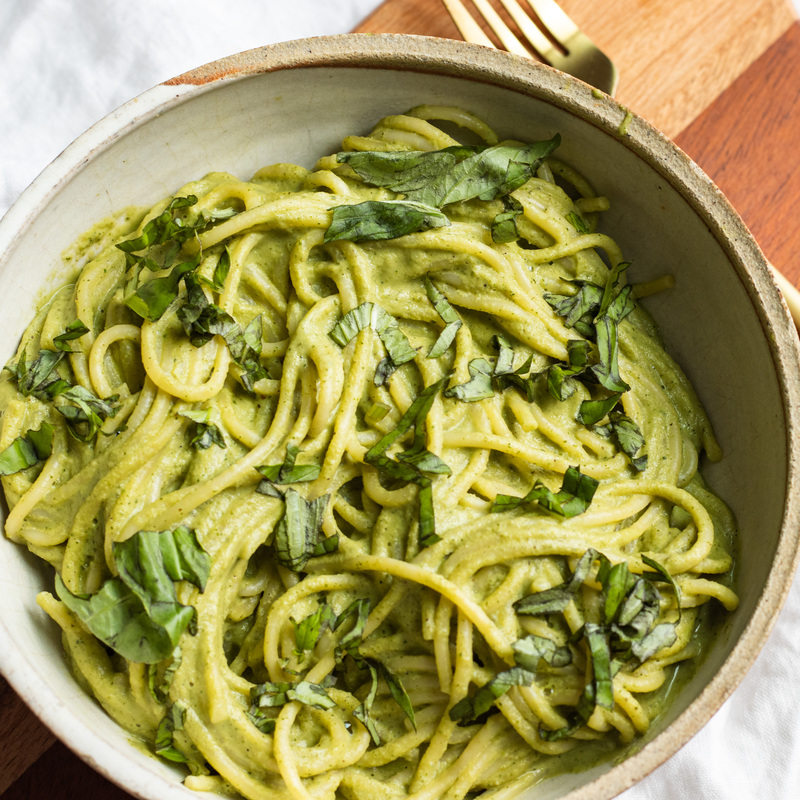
[578, 222]
[663, 635]
[297, 531]
[74, 330]
[479, 385]
[530, 650]
[399, 693]
[409, 472]
[601, 664]
[160, 691]
[574, 497]
[661, 573]
[363, 712]
[203, 320]
[369, 315]
[289, 471]
[449, 316]
[28, 450]
[351, 641]
[453, 174]
[466, 713]
[628, 437]
[38, 378]
[577, 307]
[308, 631]
[117, 617]
[152, 298]
[376, 220]
[206, 432]
[171, 721]
[86, 413]
[591, 412]
[504, 225]
[221, 270]
[615, 588]
[310, 694]
[548, 601]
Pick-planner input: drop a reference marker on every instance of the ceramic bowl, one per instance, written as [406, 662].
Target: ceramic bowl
[724, 321]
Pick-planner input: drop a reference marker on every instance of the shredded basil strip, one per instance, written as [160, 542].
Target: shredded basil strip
[289, 471]
[369, 315]
[74, 330]
[172, 721]
[298, 530]
[411, 466]
[206, 432]
[479, 385]
[28, 450]
[452, 174]
[138, 614]
[375, 220]
[470, 709]
[202, 320]
[504, 225]
[574, 497]
[449, 316]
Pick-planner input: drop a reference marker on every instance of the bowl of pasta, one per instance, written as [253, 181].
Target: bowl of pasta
[385, 416]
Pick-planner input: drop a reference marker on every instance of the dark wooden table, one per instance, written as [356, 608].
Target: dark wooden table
[721, 78]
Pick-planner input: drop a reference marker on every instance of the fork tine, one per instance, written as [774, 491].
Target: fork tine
[555, 20]
[470, 30]
[540, 43]
[509, 40]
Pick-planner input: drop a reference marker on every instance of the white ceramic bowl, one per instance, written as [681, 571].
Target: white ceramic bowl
[724, 321]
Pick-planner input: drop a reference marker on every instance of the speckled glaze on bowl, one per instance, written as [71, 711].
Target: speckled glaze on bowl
[725, 321]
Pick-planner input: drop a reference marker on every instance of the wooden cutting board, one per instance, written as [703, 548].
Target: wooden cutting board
[721, 78]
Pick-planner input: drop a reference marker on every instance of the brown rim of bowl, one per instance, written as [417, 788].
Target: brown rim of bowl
[476, 63]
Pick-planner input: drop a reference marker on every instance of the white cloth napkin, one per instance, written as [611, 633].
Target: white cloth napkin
[64, 65]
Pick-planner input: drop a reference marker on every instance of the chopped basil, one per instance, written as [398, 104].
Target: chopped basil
[411, 465]
[369, 315]
[452, 174]
[504, 225]
[449, 316]
[138, 614]
[308, 630]
[74, 330]
[578, 222]
[528, 652]
[298, 530]
[592, 411]
[221, 271]
[574, 497]
[38, 378]
[87, 412]
[28, 450]
[203, 320]
[479, 385]
[627, 435]
[469, 709]
[171, 721]
[206, 432]
[152, 298]
[374, 220]
[289, 471]
[430, 180]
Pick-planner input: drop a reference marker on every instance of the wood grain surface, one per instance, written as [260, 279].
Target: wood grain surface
[722, 79]
[675, 57]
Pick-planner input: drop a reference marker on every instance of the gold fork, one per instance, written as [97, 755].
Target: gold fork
[571, 50]
[573, 53]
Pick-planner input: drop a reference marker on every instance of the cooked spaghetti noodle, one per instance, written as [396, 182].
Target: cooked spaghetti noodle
[364, 490]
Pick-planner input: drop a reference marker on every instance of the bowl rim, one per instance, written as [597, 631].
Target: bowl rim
[473, 62]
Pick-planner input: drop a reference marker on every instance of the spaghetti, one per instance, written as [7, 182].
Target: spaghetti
[370, 480]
